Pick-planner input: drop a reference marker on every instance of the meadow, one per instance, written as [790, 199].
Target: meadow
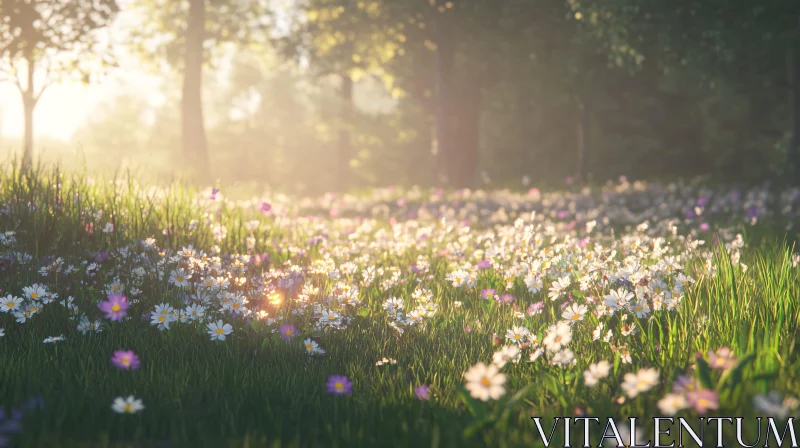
[138, 315]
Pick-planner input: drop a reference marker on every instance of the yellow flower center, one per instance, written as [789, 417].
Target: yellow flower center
[128, 408]
[179, 278]
[34, 296]
[162, 318]
[703, 403]
[220, 331]
[288, 332]
[115, 308]
[576, 317]
[338, 386]
[126, 361]
[485, 382]
[115, 287]
[309, 347]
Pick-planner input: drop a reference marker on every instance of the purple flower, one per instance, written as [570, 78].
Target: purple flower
[702, 400]
[339, 385]
[422, 392]
[115, 307]
[702, 201]
[125, 360]
[265, 207]
[487, 293]
[562, 214]
[213, 195]
[484, 264]
[288, 331]
[704, 227]
[684, 384]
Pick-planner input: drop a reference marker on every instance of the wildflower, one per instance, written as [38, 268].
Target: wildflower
[574, 313]
[265, 207]
[596, 372]
[684, 384]
[517, 335]
[563, 358]
[672, 403]
[506, 299]
[702, 400]
[386, 361]
[641, 381]
[771, 405]
[218, 331]
[162, 320]
[618, 299]
[125, 359]
[485, 382]
[488, 293]
[128, 405]
[313, 348]
[558, 335]
[115, 307]
[535, 308]
[558, 287]
[54, 339]
[2, 332]
[507, 353]
[422, 392]
[723, 359]
[536, 354]
[10, 303]
[339, 385]
[179, 278]
[287, 332]
[35, 291]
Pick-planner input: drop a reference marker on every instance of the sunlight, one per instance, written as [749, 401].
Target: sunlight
[61, 110]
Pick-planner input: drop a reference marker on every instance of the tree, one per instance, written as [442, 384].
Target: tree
[717, 39]
[58, 37]
[186, 36]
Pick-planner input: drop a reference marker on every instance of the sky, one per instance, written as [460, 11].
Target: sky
[65, 106]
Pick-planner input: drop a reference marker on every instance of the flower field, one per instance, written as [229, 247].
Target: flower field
[163, 316]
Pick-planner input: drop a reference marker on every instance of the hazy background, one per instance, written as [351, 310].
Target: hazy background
[460, 93]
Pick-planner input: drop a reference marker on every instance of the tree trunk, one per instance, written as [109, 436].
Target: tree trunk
[193, 134]
[466, 135]
[444, 97]
[28, 104]
[345, 146]
[793, 64]
[584, 114]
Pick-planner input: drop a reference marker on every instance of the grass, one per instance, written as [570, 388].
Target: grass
[255, 389]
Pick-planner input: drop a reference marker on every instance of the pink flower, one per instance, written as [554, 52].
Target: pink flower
[115, 307]
[265, 207]
[125, 359]
[703, 400]
[723, 359]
